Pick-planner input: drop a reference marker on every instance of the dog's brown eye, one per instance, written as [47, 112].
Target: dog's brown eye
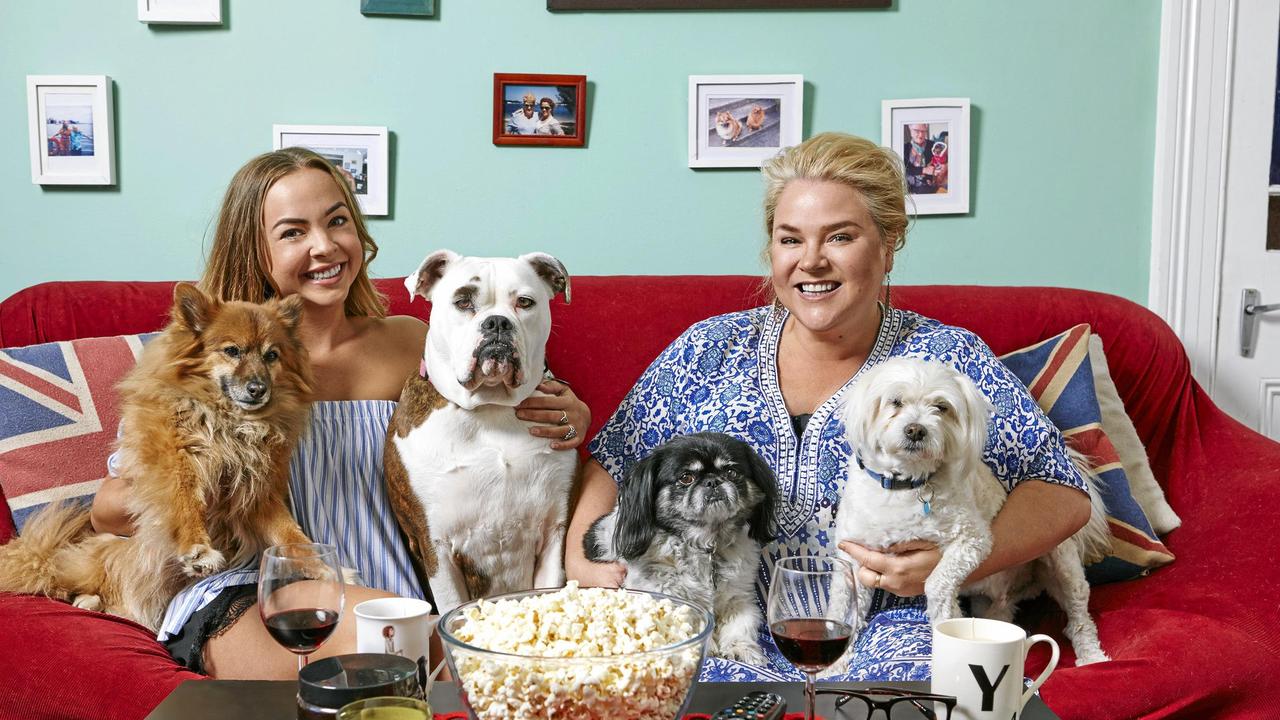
[896, 402]
[686, 478]
[464, 303]
[942, 408]
[524, 303]
[271, 356]
[232, 352]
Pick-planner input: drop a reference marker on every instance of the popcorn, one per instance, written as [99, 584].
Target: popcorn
[577, 649]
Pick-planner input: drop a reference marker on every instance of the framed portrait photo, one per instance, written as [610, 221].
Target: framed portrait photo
[71, 122]
[743, 120]
[359, 152]
[539, 109]
[932, 137]
[187, 12]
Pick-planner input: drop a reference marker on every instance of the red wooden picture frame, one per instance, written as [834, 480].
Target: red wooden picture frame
[501, 136]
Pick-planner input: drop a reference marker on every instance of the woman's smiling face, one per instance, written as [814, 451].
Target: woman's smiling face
[312, 243]
[827, 257]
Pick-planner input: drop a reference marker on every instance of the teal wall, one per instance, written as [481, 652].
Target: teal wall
[1063, 117]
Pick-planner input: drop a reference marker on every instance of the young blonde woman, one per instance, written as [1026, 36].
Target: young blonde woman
[775, 376]
[290, 224]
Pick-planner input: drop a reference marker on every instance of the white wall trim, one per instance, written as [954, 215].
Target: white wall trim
[1269, 407]
[1189, 193]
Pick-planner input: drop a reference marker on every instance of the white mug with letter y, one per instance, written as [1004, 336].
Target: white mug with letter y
[980, 662]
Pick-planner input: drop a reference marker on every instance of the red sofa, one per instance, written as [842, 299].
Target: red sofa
[1197, 639]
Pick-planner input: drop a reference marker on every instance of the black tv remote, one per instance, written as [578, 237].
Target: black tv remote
[755, 705]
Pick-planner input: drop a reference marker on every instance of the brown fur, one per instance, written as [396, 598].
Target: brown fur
[724, 118]
[208, 478]
[418, 399]
[477, 583]
[755, 118]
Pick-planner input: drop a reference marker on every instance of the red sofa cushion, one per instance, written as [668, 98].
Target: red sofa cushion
[59, 662]
[6, 519]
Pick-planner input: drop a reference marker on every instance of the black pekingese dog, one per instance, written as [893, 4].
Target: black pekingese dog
[690, 522]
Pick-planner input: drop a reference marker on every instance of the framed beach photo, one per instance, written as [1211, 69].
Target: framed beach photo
[539, 109]
[932, 138]
[359, 152]
[70, 121]
[187, 12]
[743, 120]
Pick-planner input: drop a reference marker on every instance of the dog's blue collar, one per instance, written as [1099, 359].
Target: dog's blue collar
[894, 481]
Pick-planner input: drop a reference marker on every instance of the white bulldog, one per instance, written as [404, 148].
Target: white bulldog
[482, 503]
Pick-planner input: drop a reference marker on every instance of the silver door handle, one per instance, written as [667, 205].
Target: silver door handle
[1256, 309]
[1249, 312]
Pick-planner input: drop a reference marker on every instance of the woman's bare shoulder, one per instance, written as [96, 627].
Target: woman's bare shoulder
[395, 344]
[403, 329]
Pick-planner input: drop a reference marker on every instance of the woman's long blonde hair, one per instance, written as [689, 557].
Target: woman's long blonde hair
[239, 266]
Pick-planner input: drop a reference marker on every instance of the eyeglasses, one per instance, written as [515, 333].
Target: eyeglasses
[547, 108]
[896, 704]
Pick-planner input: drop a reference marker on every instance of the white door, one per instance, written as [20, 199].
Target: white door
[1247, 379]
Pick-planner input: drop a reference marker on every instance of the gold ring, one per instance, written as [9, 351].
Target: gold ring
[564, 418]
[573, 433]
[879, 577]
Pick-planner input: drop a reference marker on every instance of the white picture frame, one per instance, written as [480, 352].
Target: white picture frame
[71, 129]
[349, 148]
[946, 142]
[185, 12]
[765, 113]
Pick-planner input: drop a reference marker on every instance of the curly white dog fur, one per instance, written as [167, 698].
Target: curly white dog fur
[917, 430]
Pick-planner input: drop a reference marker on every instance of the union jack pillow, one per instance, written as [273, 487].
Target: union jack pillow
[1060, 377]
[58, 416]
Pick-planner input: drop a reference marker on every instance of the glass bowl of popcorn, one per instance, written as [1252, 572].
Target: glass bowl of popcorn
[576, 653]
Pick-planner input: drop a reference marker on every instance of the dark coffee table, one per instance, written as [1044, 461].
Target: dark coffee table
[266, 700]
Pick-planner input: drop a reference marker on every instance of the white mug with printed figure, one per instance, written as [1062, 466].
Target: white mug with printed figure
[398, 626]
[980, 663]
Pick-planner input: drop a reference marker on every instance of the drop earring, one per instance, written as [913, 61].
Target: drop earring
[888, 291]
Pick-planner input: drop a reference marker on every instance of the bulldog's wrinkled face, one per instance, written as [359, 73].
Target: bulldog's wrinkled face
[490, 320]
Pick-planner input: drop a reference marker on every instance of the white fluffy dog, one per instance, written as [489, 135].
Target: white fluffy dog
[917, 431]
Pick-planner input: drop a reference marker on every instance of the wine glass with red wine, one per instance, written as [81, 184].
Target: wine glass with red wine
[812, 605]
[300, 595]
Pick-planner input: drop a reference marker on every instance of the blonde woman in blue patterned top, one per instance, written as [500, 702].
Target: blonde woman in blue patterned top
[290, 224]
[775, 376]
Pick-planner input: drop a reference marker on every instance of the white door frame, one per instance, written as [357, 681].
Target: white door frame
[1197, 46]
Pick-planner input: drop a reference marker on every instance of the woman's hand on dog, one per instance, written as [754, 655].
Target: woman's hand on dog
[900, 569]
[594, 574]
[558, 403]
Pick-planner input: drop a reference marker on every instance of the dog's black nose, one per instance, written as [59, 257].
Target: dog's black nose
[256, 389]
[915, 432]
[497, 325]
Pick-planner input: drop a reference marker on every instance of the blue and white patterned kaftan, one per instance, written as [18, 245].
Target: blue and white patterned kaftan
[721, 375]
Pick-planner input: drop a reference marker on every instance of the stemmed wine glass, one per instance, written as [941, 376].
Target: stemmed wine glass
[300, 595]
[812, 605]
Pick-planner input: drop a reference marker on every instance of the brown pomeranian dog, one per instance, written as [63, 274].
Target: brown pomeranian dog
[727, 127]
[755, 118]
[210, 416]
